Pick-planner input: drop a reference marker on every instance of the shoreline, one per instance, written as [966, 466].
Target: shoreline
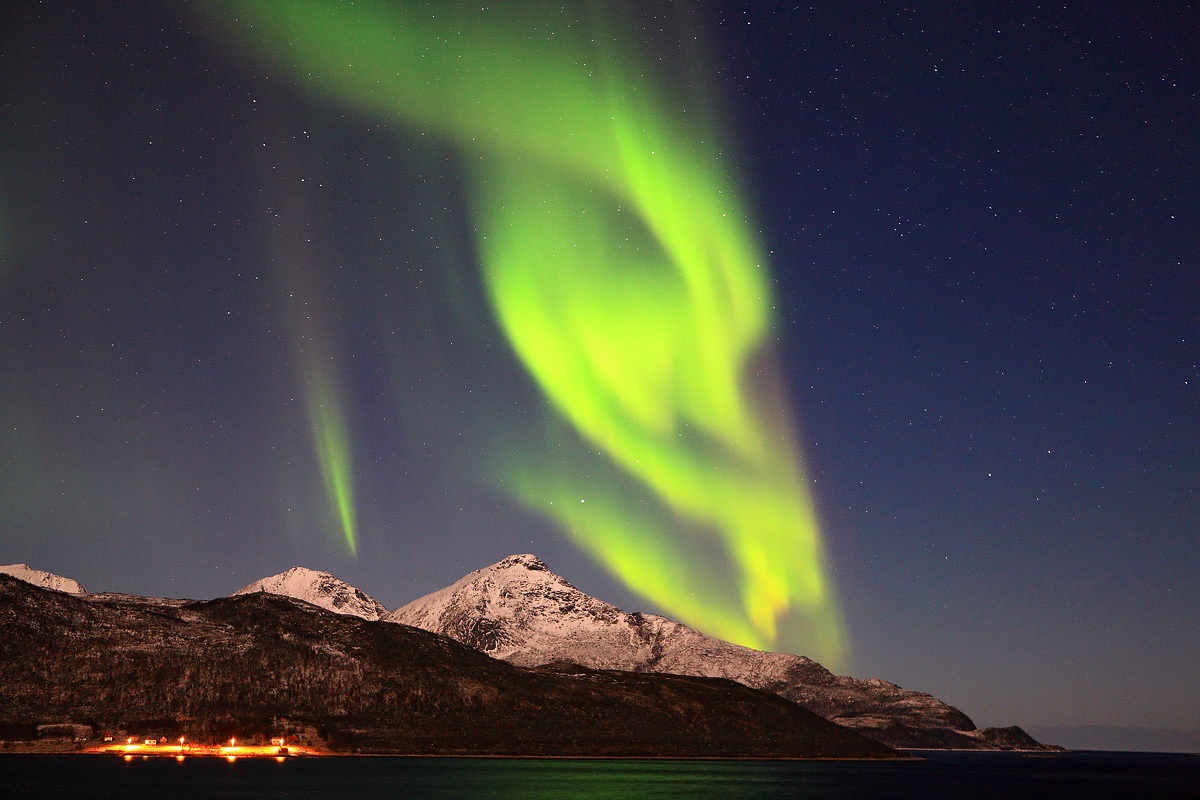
[146, 752]
[130, 751]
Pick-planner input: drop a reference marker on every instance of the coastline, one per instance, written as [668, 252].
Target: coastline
[131, 752]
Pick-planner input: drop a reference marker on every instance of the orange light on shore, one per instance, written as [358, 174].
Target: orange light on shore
[230, 750]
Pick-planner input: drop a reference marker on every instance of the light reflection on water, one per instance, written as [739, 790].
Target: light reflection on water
[946, 775]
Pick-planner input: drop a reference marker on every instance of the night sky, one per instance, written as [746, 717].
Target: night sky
[981, 228]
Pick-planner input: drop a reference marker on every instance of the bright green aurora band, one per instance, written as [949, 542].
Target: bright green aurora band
[619, 262]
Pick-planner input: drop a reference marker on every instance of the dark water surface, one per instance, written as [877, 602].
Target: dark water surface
[940, 775]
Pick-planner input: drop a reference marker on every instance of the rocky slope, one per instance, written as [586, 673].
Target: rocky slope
[46, 580]
[236, 665]
[320, 589]
[519, 611]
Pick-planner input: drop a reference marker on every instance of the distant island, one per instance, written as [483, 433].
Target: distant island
[303, 664]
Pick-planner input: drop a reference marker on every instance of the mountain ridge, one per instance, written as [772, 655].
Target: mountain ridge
[520, 611]
[247, 664]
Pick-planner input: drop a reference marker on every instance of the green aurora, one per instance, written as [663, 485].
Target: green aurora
[308, 318]
[327, 421]
[620, 264]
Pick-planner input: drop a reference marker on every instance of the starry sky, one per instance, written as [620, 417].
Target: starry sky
[228, 303]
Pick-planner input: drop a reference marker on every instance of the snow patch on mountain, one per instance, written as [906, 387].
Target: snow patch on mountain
[46, 580]
[321, 589]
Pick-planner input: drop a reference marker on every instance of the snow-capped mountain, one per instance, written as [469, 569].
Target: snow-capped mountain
[46, 580]
[519, 611]
[320, 589]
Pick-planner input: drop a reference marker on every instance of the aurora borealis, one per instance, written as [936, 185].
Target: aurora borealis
[620, 265]
[863, 332]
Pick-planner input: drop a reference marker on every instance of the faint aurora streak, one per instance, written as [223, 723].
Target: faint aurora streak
[307, 319]
[619, 262]
[328, 425]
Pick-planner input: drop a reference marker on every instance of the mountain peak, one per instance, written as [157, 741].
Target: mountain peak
[496, 609]
[527, 560]
[46, 580]
[519, 610]
[321, 589]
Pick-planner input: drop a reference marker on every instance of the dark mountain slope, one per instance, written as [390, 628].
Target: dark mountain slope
[234, 663]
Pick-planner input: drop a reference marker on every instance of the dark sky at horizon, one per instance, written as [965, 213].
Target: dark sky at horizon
[983, 226]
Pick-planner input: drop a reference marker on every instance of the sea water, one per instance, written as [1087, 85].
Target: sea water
[1094, 776]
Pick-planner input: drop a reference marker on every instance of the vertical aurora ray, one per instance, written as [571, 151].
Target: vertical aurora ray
[327, 421]
[308, 321]
[620, 264]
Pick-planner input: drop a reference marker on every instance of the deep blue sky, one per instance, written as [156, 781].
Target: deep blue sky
[983, 227]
